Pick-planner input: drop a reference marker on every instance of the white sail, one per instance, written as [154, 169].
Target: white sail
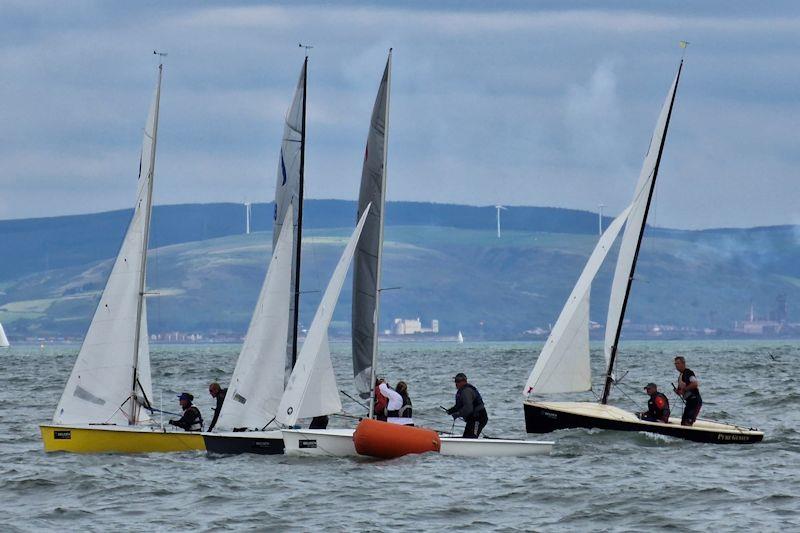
[288, 188]
[563, 364]
[257, 383]
[636, 220]
[311, 390]
[3, 339]
[460, 338]
[99, 388]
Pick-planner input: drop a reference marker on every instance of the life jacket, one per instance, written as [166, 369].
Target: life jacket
[658, 406]
[197, 423]
[406, 411]
[381, 402]
[477, 402]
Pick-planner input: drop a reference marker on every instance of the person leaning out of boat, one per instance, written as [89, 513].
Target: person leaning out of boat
[469, 406]
[191, 419]
[657, 405]
[688, 389]
[218, 393]
[405, 414]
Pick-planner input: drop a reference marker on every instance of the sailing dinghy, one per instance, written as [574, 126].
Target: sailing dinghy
[105, 406]
[3, 339]
[563, 364]
[317, 369]
[270, 345]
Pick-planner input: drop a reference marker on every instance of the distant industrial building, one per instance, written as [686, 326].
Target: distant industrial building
[774, 325]
[413, 326]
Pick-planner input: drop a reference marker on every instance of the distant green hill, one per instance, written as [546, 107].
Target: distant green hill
[448, 263]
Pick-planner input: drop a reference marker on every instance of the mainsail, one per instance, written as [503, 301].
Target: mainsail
[289, 192]
[563, 364]
[313, 366]
[3, 339]
[111, 377]
[367, 263]
[632, 238]
[257, 383]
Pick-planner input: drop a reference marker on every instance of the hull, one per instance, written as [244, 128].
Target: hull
[460, 447]
[258, 442]
[339, 443]
[544, 417]
[117, 439]
[319, 442]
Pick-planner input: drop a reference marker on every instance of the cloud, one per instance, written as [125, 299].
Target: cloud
[504, 103]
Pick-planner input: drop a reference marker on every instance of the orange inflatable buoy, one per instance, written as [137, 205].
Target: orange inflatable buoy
[387, 441]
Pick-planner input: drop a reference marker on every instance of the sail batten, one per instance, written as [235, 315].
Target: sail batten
[632, 237]
[111, 376]
[256, 386]
[314, 366]
[563, 364]
[365, 320]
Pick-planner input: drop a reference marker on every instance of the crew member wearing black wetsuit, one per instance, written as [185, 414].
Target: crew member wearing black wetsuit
[469, 406]
[689, 389]
[218, 393]
[657, 405]
[191, 420]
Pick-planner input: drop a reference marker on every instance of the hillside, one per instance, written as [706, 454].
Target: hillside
[449, 266]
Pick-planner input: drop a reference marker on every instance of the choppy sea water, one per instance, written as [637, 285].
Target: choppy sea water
[594, 480]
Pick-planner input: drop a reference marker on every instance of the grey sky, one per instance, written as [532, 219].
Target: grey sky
[520, 103]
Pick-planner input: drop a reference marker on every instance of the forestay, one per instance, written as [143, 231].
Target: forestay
[635, 226]
[563, 364]
[288, 186]
[257, 384]
[367, 262]
[99, 388]
[311, 390]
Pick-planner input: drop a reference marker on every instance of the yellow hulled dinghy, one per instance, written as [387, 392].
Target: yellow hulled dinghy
[105, 407]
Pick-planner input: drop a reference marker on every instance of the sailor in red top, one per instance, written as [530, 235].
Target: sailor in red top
[657, 405]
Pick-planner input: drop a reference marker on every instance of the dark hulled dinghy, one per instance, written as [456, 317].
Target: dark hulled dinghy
[563, 364]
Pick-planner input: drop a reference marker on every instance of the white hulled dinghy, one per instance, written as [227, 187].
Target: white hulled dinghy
[105, 406]
[270, 345]
[365, 315]
[563, 365]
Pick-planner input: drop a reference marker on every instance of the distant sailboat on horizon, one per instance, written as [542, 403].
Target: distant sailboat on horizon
[3, 339]
[460, 338]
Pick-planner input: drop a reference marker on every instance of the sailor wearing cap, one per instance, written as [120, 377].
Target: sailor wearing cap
[191, 420]
[657, 405]
[469, 406]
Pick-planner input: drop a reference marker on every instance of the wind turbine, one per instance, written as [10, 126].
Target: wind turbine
[499, 207]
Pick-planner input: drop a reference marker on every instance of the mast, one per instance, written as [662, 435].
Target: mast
[609, 373]
[376, 318]
[134, 411]
[296, 317]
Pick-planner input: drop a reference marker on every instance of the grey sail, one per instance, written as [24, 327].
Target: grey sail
[289, 192]
[367, 263]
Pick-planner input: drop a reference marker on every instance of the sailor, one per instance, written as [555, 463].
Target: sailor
[469, 406]
[688, 389]
[657, 405]
[218, 393]
[191, 420]
[406, 412]
[380, 401]
[394, 402]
